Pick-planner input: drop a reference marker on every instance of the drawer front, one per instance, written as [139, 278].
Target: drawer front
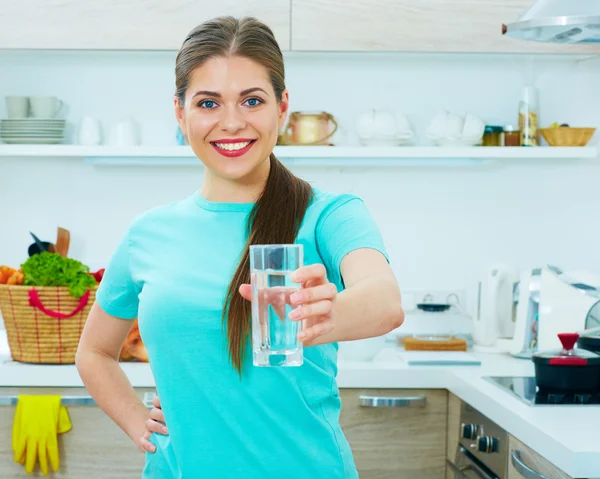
[524, 463]
[94, 447]
[396, 433]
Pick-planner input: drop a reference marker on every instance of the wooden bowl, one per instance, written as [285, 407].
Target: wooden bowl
[567, 136]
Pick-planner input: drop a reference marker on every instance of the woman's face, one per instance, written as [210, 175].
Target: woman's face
[231, 117]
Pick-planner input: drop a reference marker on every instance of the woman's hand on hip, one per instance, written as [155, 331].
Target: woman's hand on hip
[156, 423]
[313, 303]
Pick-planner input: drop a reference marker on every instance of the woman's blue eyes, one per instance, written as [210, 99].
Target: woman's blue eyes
[207, 104]
[253, 101]
[210, 104]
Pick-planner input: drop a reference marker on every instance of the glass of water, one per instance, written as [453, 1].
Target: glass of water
[274, 335]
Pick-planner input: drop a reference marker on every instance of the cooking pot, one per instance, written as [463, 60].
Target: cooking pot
[567, 369]
[308, 128]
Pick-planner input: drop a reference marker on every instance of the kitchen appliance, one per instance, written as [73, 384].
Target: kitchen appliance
[567, 369]
[547, 302]
[567, 303]
[590, 339]
[494, 314]
[526, 390]
[558, 21]
[526, 301]
[482, 451]
[308, 128]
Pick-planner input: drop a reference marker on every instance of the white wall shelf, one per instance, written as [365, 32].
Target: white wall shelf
[318, 156]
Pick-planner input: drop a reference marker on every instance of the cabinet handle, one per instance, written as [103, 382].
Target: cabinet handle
[76, 400]
[523, 468]
[66, 401]
[382, 401]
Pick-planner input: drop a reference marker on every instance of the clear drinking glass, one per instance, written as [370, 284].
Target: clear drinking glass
[274, 334]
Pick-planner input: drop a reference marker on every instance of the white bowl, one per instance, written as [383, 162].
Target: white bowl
[361, 349]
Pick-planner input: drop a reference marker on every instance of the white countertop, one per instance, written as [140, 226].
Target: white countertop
[565, 435]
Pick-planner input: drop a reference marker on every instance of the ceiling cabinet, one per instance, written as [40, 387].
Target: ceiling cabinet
[302, 25]
[413, 26]
[127, 25]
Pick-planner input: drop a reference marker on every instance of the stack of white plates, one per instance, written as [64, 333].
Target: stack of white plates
[32, 130]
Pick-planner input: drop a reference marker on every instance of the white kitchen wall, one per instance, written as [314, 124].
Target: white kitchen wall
[442, 225]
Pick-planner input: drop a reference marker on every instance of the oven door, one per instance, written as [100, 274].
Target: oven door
[465, 468]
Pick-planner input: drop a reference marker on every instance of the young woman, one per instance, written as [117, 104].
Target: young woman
[183, 271]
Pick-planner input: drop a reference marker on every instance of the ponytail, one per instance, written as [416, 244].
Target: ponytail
[275, 219]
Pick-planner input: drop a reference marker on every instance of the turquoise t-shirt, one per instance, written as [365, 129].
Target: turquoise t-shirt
[172, 270]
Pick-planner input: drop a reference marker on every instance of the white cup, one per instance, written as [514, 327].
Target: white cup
[403, 125]
[473, 127]
[455, 127]
[17, 106]
[45, 106]
[90, 132]
[438, 126]
[123, 133]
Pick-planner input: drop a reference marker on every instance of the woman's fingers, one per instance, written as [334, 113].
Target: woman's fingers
[312, 310]
[145, 444]
[314, 293]
[316, 273]
[322, 325]
[157, 415]
[157, 427]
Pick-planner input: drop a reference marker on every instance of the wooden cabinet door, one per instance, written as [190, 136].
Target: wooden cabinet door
[413, 25]
[405, 441]
[529, 462]
[95, 446]
[454, 405]
[125, 24]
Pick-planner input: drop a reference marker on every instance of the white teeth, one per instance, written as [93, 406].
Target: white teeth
[232, 146]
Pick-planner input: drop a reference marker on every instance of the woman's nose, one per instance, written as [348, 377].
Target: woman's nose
[232, 120]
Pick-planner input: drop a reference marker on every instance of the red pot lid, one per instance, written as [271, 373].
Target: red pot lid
[568, 355]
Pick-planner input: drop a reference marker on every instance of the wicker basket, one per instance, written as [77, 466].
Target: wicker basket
[44, 324]
[566, 136]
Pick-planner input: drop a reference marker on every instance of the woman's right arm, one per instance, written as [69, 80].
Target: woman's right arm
[97, 361]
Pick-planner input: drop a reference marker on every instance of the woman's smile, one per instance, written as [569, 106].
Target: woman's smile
[233, 147]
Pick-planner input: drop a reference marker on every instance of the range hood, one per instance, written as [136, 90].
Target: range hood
[558, 21]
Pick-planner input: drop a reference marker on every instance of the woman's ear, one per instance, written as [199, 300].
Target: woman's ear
[284, 106]
[180, 114]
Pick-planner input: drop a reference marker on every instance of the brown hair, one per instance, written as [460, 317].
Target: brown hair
[278, 213]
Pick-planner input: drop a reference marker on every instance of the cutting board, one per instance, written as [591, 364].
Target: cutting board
[441, 358]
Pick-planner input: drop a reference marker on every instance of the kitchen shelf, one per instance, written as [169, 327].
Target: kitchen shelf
[318, 156]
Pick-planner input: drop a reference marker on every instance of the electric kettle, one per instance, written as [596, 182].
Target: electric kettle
[494, 314]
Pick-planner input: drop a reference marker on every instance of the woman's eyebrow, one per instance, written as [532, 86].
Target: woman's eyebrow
[216, 94]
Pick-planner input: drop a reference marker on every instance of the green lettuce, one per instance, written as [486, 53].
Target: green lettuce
[50, 269]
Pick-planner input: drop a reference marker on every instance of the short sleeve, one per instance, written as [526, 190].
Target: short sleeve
[117, 294]
[346, 225]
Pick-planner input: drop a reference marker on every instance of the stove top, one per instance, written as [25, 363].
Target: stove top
[525, 389]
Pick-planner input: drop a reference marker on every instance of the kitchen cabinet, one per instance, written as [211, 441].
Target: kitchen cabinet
[454, 405]
[525, 463]
[417, 26]
[94, 447]
[396, 433]
[115, 24]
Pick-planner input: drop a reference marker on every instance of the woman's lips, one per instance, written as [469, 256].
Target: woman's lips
[231, 148]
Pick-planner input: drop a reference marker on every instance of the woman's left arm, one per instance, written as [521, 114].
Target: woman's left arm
[370, 304]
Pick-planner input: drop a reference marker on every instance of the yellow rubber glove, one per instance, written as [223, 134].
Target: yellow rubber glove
[38, 420]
